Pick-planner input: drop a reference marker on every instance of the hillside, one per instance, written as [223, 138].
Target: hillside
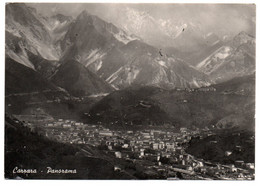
[28, 150]
[26, 89]
[90, 38]
[195, 107]
[234, 59]
[32, 32]
[21, 79]
[205, 107]
[142, 64]
[241, 85]
[240, 143]
[194, 58]
[131, 106]
[78, 80]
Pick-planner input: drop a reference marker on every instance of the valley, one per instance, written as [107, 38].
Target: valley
[134, 98]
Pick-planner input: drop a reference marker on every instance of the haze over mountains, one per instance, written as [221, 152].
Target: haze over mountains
[161, 24]
[85, 55]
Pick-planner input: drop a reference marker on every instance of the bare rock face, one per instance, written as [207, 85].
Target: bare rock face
[122, 59]
[235, 59]
[29, 31]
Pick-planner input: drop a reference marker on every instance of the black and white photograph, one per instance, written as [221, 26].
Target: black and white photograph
[129, 91]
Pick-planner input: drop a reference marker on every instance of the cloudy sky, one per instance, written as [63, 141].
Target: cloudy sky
[229, 18]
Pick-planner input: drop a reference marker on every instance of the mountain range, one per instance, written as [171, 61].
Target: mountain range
[228, 104]
[88, 56]
[123, 59]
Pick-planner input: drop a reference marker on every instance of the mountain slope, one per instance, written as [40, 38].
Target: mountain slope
[183, 38]
[26, 88]
[32, 32]
[89, 39]
[237, 58]
[206, 106]
[119, 58]
[122, 59]
[78, 80]
[30, 150]
[21, 79]
[58, 26]
[196, 54]
[227, 140]
[139, 63]
[33, 40]
[143, 25]
[131, 106]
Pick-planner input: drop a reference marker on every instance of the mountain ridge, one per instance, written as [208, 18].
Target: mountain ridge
[236, 58]
[119, 58]
[201, 107]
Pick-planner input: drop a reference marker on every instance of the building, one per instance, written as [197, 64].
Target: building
[66, 125]
[161, 145]
[125, 146]
[228, 153]
[179, 150]
[189, 168]
[117, 168]
[155, 146]
[110, 147]
[183, 130]
[105, 133]
[132, 143]
[200, 164]
[146, 135]
[118, 154]
[78, 124]
[250, 165]
[239, 163]
[170, 146]
[141, 152]
[50, 125]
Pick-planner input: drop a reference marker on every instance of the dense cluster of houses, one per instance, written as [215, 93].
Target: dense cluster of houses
[155, 150]
[202, 89]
